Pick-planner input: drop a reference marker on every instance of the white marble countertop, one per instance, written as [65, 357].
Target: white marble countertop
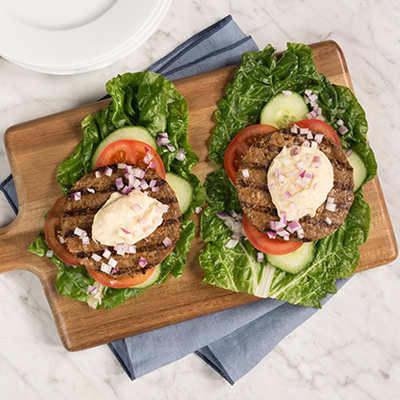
[349, 350]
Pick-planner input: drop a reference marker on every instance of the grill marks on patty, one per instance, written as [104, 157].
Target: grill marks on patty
[256, 200]
[81, 214]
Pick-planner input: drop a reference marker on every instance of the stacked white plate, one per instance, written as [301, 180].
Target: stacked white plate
[71, 36]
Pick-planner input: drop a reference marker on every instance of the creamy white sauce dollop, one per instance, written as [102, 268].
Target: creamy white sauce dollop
[127, 218]
[299, 180]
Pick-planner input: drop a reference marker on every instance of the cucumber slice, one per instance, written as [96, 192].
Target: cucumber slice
[127, 133]
[360, 170]
[282, 110]
[296, 261]
[152, 280]
[182, 188]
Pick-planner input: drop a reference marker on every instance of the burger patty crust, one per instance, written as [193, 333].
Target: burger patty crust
[80, 213]
[255, 197]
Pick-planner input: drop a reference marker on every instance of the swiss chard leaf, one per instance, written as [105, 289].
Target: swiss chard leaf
[260, 76]
[145, 99]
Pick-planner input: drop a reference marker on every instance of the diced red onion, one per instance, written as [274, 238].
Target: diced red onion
[162, 141]
[97, 174]
[96, 257]
[126, 190]
[146, 149]
[308, 92]
[147, 158]
[114, 270]
[198, 210]
[316, 159]
[61, 239]
[339, 122]
[143, 220]
[328, 220]
[306, 144]
[222, 215]
[349, 152]
[167, 242]
[146, 240]
[122, 166]
[304, 131]
[318, 137]
[119, 183]
[164, 135]
[136, 207]
[49, 253]
[286, 195]
[108, 171]
[295, 151]
[76, 196]
[152, 165]
[271, 186]
[180, 156]
[125, 231]
[131, 249]
[293, 226]
[301, 165]
[80, 232]
[313, 97]
[271, 234]
[152, 183]
[142, 262]
[292, 173]
[138, 173]
[170, 147]
[91, 289]
[91, 190]
[85, 240]
[106, 253]
[245, 173]
[277, 172]
[144, 185]
[294, 129]
[312, 114]
[155, 189]
[283, 233]
[105, 268]
[310, 136]
[260, 257]
[232, 243]
[112, 262]
[128, 169]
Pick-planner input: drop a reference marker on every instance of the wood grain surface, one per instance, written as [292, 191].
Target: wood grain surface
[36, 148]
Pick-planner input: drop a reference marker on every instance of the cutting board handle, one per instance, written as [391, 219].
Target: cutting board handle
[12, 257]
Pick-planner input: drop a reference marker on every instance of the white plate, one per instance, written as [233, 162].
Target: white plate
[71, 36]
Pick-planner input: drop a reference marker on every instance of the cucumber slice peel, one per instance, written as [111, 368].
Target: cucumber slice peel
[152, 280]
[296, 261]
[359, 169]
[128, 133]
[283, 110]
[182, 188]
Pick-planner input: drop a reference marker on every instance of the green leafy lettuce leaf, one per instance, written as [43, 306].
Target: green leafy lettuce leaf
[260, 76]
[137, 99]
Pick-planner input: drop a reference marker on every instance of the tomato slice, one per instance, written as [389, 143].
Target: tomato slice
[52, 232]
[261, 241]
[320, 127]
[239, 146]
[130, 152]
[120, 283]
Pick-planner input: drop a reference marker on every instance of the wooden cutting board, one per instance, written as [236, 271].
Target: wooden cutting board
[36, 148]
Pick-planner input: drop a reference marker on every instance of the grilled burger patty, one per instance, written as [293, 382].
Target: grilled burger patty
[80, 213]
[255, 197]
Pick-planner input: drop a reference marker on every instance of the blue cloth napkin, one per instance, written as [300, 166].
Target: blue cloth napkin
[233, 341]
